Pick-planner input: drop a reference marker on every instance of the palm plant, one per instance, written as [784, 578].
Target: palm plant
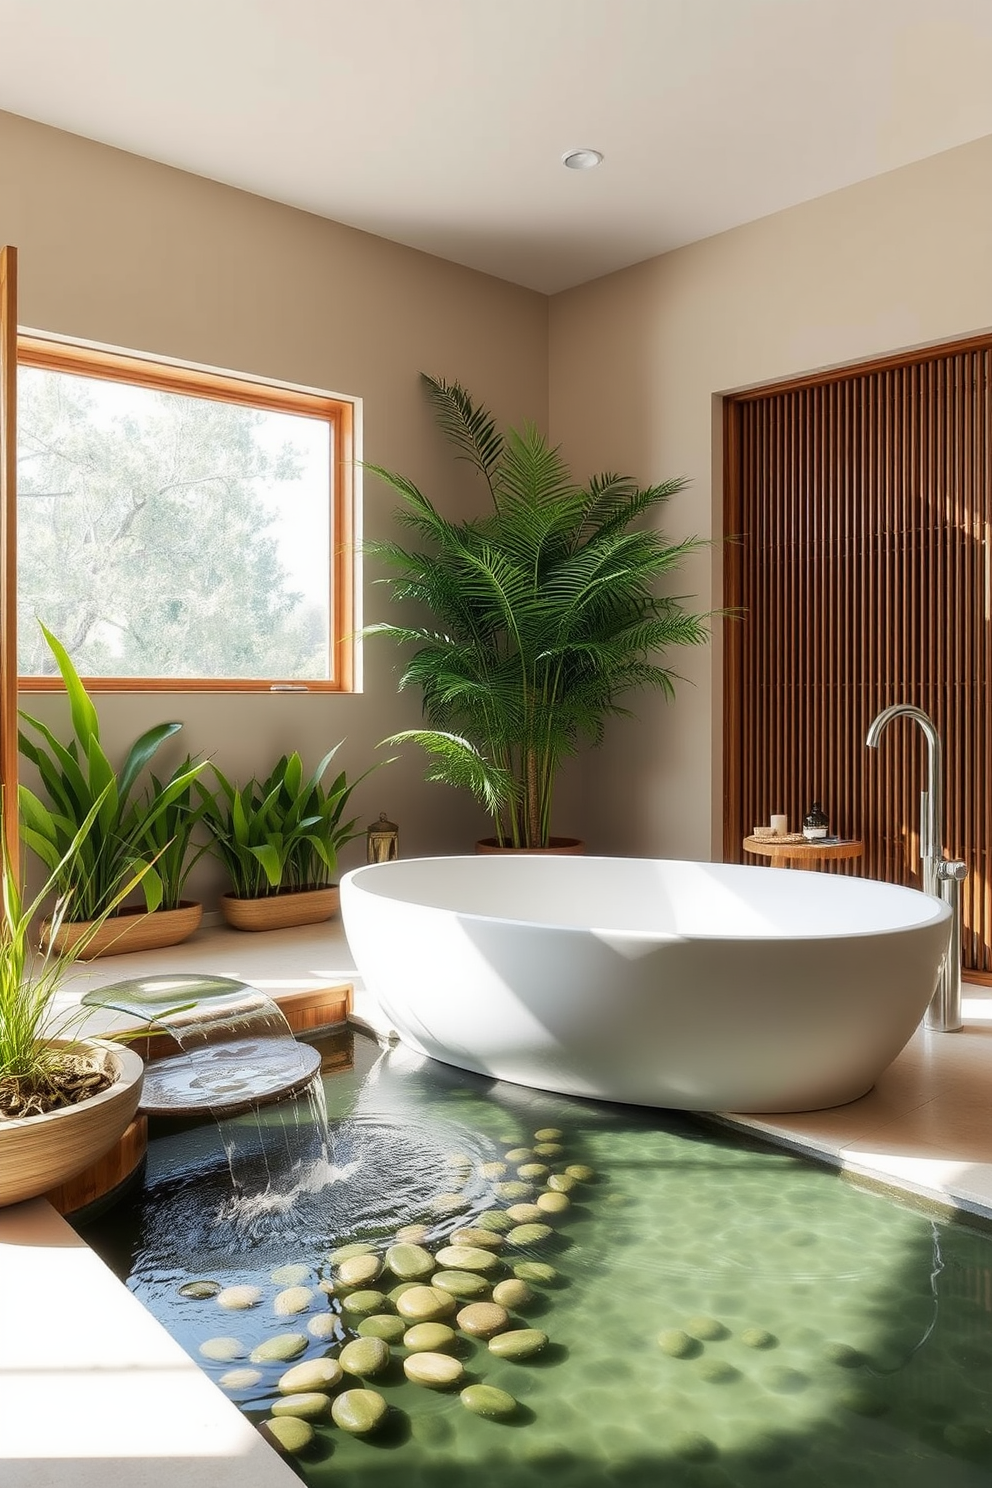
[545, 613]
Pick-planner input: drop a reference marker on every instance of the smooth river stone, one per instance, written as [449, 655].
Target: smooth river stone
[429, 1338]
[436, 1370]
[294, 1299]
[552, 1203]
[309, 1405]
[223, 1350]
[519, 1154]
[483, 1319]
[548, 1134]
[678, 1344]
[513, 1293]
[532, 1171]
[561, 1183]
[580, 1172]
[758, 1338]
[487, 1400]
[312, 1374]
[548, 1149]
[346, 1252]
[496, 1220]
[706, 1329]
[529, 1234]
[200, 1290]
[291, 1275]
[364, 1304]
[525, 1213]
[447, 1203]
[288, 1433]
[237, 1297]
[397, 1291]
[279, 1349]
[358, 1411]
[493, 1169]
[536, 1271]
[240, 1379]
[409, 1262]
[384, 1325]
[514, 1190]
[324, 1325]
[358, 1271]
[518, 1343]
[424, 1304]
[364, 1357]
[412, 1234]
[487, 1239]
[466, 1258]
[465, 1285]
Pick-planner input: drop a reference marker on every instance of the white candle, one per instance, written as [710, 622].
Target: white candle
[780, 825]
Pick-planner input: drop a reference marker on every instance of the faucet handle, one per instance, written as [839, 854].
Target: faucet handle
[952, 869]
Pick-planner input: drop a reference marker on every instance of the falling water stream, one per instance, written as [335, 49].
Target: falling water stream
[718, 1312]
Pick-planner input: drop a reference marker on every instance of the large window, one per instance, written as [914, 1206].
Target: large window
[178, 528]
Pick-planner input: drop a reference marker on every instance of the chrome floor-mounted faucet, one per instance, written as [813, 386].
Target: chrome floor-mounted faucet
[942, 877]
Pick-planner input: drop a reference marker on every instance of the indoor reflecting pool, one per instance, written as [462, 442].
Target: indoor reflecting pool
[676, 1304]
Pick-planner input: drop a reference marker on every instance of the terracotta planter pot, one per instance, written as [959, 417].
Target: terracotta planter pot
[129, 932]
[40, 1152]
[280, 911]
[558, 846]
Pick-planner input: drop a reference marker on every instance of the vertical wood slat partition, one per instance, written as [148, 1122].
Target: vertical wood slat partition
[859, 509]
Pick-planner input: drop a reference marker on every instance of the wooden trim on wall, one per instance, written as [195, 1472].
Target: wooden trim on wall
[337, 413]
[8, 555]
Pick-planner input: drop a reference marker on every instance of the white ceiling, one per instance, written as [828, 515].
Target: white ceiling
[441, 123]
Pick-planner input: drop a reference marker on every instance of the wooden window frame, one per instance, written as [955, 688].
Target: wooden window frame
[78, 359]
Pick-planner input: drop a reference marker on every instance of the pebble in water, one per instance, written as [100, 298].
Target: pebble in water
[516, 1189]
[424, 1304]
[488, 1239]
[759, 1338]
[384, 1325]
[487, 1400]
[364, 1304]
[863, 1402]
[312, 1374]
[496, 1220]
[364, 1357]
[324, 1325]
[552, 1203]
[529, 1234]
[291, 1275]
[785, 1381]
[483, 1319]
[706, 1329]
[678, 1344]
[439, 1371]
[465, 1285]
[429, 1338]
[223, 1349]
[292, 1300]
[536, 1271]
[281, 1348]
[548, 1149]
[467, 1258]
[358, 1271]
[844, 1355]
[580, 1172]
[519, 1154]
[561, 1183]
[308, 1406]
[199, 1290]
[288, 1433]
[345, 1252]
[513, 1293]
[358, 1411]
[548, 1134]
[492, 1169]
[234, 1298]
[397, 1291]
[409, 1262]
[693, 1446]
[518, 1343]
[526, 1213]
[412, 1234]
[717, 1372]
[532, 1171]
[240, 1379]
[447, 1203]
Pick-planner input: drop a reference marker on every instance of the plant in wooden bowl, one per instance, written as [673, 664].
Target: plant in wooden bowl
[543, 614]
[279, 838]
[64, 1100]
[141, 838]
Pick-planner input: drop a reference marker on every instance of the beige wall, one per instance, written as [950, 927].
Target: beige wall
[115, 249]
[638, 359]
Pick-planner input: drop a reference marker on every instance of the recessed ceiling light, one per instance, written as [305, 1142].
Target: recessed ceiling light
[581, 159]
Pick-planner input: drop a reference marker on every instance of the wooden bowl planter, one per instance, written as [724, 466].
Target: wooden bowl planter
[38, 1153]
[557, 846]
[121, 933]
[280, 911]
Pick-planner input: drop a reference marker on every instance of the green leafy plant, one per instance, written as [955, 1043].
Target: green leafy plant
[545, 612]
[37, 1075]
[123, 839]
[283, 833]
[168, 834]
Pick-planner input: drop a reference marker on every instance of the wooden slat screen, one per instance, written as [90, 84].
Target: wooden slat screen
[861, 505]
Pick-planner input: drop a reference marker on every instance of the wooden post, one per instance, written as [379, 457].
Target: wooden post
[8, 553]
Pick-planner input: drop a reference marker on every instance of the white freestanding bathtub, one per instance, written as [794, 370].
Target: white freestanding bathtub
[705, 986]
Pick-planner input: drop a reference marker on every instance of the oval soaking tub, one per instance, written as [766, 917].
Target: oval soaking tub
[704, 986]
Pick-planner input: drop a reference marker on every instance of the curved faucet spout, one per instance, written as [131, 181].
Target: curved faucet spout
[931, 800]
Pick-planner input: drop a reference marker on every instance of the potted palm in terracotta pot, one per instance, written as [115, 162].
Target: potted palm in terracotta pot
[133, 838]
[541, 615]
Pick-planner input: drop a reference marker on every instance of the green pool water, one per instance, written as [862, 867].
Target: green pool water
[721, 1313]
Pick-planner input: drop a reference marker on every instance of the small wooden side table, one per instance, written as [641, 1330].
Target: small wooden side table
[800, 854]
